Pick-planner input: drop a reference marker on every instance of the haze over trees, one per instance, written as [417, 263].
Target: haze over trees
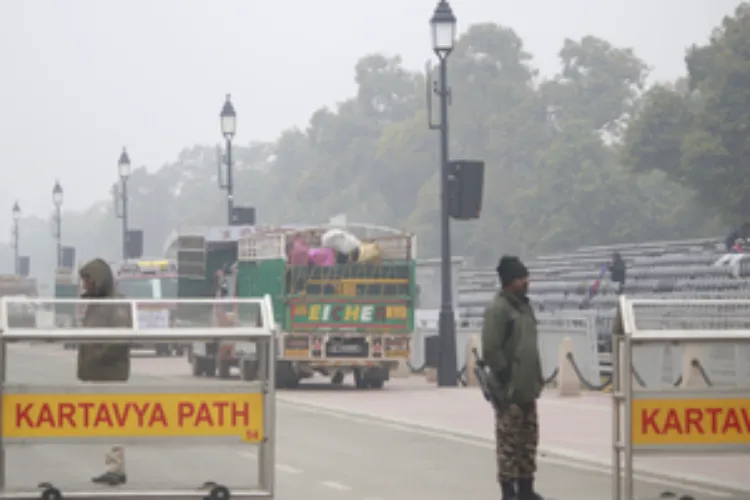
[588, 156]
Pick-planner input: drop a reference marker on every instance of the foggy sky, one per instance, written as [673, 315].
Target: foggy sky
[82, 78]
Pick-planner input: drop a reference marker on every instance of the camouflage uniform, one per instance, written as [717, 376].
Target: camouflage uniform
[105, 362]
[516, 439]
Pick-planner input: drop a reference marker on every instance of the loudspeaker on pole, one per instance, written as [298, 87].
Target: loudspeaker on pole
[466, 178]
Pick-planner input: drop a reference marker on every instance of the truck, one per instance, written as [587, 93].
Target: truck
[206, 260]
[348, 318]
[154, 279]
[21, 314]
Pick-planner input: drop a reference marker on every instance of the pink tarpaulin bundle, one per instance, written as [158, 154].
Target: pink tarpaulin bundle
[322, 256]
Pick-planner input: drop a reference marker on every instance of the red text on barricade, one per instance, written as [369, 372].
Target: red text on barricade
[691, 421]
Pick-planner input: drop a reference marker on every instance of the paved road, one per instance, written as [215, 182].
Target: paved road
[321, 455]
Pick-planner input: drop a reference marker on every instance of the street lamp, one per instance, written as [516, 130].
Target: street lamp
[228, 128]
[121, 198]
[16, 216]
[443, 24]
[57, 200]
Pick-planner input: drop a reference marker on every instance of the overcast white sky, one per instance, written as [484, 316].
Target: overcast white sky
[81, 78]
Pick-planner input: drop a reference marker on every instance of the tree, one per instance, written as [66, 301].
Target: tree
[698, 136]
[598, 83]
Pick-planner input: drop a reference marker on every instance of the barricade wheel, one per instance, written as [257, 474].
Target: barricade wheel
[219, 493]
[51, 494]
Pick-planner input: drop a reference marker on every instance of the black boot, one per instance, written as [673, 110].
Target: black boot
[509, 490]
[110, 479]
[526, 489]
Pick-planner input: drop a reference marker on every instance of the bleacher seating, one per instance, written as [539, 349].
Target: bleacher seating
[680, 269]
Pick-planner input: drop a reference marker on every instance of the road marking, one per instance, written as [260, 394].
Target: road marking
[571, 460]
[279, 467]
[335, 486]
[287, 468]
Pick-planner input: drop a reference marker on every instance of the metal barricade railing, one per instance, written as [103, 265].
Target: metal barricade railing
[234, 412]
[695, 416]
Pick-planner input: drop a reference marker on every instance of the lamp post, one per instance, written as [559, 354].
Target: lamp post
[121, 198]
[16, 216]
[228, 128]
[443, 24]
[57, 200]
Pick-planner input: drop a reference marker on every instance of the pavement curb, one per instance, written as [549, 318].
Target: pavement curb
[544, 451]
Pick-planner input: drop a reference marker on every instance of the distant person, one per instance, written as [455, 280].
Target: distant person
[737, 239]
[617, 271]
[511, 351]
[104, 362]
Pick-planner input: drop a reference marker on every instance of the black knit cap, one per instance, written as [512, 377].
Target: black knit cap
[510, 268]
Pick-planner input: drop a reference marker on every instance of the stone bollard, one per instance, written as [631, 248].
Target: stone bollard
[475, 342]
[430, 375]
[691, 375]
[568, 384]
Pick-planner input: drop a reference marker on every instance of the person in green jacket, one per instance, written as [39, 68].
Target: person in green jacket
[104, 362]
[510, 350]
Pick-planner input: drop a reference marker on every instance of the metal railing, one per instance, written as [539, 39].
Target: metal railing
[249, 404]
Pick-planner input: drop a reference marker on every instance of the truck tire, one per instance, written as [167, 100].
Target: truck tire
[376, 377]
[210, 364]
[224, 368]
[203, 366]
[373, 378]
[249, 370]
[360, 382]
[198, 365]
[162, 350]
[376, 383]
[286, 377]
[178, 350]
[338, 378]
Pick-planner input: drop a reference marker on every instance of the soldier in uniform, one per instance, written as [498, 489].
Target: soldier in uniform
[511, 351]
[104, 362]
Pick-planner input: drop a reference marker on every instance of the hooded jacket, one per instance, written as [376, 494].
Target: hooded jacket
[103, 362]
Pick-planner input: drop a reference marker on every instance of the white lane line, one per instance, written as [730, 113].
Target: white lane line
[335, 486]
[279, 467]
[287, 468]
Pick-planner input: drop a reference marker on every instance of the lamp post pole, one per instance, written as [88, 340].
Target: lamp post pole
[443, 23]
[121, 198]
[57, 200]
[228, 118]
[16, 217]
